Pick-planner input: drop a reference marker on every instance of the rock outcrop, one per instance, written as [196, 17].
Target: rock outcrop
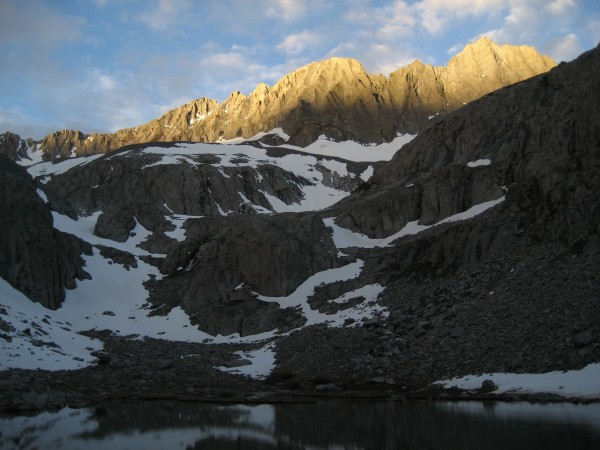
[34, 257]
[538, 140]
[136, 185]
[217, 273]
[15, 148]
[335, 97]
[511, 290]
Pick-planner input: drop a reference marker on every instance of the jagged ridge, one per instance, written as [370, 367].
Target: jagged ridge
[335, 97]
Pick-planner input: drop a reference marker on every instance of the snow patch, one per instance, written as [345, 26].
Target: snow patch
[48, 168]
[34, 156]
[298, 299]
[240, 140]
[344, 238]
[178, 220]
[479, 162]
[583, 383]
[262, 359]
[42, 195]
[368, 173]
[40, 339]
[354, 151]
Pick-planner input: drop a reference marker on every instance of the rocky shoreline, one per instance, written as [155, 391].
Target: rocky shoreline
[131, 369]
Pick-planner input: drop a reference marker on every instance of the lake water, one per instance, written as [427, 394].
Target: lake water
[324, 425]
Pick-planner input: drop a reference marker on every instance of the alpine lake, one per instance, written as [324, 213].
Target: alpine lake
[323, 424]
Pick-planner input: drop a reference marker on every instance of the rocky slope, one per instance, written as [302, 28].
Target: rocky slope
[478, 247]
[514, 289]
[335, 97]
[34, 257]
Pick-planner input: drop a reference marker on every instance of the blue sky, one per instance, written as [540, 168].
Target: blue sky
[101, 65]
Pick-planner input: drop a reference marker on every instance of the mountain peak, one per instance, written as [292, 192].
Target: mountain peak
[335, 97]
[483, 41]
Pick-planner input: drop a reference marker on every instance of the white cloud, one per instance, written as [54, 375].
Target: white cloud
[563, 48]
[164, 14]
[437, 15]
[388, 22]
[297, 43]
[561, 6]
[455, 49]
[375, 58]
[547, 26]
[99, 81]
[286, 10]
[224, 61]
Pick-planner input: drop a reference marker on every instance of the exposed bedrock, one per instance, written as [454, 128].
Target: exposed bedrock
[541, 138]
[227, 260]
[35, 258]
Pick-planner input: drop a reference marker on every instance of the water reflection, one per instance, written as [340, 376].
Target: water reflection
[326, 425]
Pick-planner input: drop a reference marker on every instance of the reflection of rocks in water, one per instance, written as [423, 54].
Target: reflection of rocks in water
[323, 425]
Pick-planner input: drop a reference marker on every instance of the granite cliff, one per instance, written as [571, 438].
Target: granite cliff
[35, 258]
[335, 97]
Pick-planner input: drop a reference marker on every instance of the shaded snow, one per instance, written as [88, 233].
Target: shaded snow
[344, 238]
[263, 362]
[178, 220]
[479, 162]
[315, 196]
[367, 309]
[368, 173]
[42, 195]
[353, 151]
[45, 169]
[583, 383]
[116, 300]
[34, 156]
[40, 339]
[240, 140]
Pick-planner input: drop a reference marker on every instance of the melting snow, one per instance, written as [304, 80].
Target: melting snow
[45, 169]
[178, 220]
[353, 151]
[42, 195]
[40, 339]
[583, 383]
[299, 298]
[479, 162]
[34, 156]
[262, 359]
[368, 173]
[344, 238]
[240, 140]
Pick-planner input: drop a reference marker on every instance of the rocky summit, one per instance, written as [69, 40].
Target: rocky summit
[198, 270]
[336, 98]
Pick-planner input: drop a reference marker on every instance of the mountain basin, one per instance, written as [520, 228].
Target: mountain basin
[326, 424]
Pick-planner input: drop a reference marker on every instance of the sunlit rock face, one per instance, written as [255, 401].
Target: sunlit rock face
[334, 97]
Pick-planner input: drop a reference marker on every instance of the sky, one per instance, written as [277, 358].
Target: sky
[103, 65]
